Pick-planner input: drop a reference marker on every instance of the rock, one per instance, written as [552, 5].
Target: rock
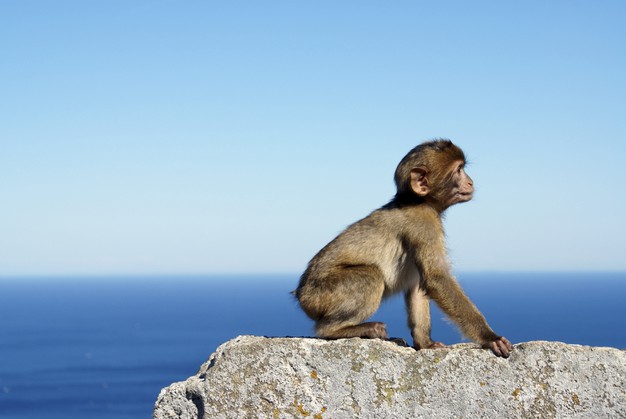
[257, 377]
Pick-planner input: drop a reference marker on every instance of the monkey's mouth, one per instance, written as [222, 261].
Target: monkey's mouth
[465, 195]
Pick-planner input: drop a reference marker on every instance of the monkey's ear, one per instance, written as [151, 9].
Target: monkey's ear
[419, 181]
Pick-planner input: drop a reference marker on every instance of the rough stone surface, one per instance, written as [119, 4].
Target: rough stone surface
[250, 377]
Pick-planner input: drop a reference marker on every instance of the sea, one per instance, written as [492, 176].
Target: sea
[104, 347]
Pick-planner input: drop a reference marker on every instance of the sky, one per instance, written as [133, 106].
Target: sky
[204, 137]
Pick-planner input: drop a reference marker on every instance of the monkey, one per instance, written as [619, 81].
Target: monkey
[399, 247]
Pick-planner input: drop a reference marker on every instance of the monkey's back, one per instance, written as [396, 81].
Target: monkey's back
[378, 241]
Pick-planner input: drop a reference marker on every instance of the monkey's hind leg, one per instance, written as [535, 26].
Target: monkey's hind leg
[357, 293]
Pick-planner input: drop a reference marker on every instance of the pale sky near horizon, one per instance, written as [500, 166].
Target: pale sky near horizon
[159, 137]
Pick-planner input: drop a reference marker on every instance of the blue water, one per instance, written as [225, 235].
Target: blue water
[103, 348]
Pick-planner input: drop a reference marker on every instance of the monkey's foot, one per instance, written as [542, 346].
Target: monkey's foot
[437, 345]
[432, 345]
[373, 330]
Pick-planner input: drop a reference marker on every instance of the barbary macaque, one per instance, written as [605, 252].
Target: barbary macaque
[398, 248]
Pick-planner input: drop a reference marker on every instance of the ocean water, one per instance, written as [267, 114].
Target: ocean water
[104, 347]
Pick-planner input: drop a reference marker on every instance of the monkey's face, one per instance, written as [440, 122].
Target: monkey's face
[459, 187]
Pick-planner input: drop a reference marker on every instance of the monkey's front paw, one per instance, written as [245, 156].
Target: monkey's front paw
[500, 347]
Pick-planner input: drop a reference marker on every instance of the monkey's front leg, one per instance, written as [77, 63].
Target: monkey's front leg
[448, 294]
[418, 308]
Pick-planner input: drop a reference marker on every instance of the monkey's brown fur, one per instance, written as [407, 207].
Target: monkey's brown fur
[398, 248]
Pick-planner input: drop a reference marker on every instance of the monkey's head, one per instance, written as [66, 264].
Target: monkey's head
[434, 172]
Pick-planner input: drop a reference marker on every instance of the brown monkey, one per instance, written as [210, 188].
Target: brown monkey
[398, 248]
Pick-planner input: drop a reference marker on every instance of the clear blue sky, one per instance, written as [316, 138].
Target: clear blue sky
[160, 137]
